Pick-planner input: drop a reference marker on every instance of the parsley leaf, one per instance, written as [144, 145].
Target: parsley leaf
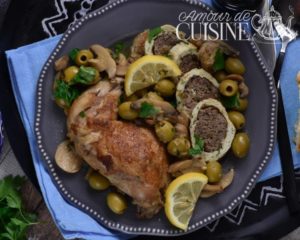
[14, 220]
[219, 63]
[65, 92]
[85, 75]
[153, 33]
[230, 102]
[147, 110]
[73, 53]
[118, 48]
[198, 148]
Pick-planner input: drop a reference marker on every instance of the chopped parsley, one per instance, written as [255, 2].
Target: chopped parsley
[118, 48]
[219, 63]
[14, 220]
[85, 75]
[230, 102]
[65, 92]
[153, 33]
[147, 110]
[198, 148]
[73, 53]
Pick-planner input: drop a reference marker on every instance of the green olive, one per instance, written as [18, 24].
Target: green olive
[220, 76]
[240, 145]
[165, 88]
[116, 202]
[179, 147]
[243, 104]
[83, 56]
[165, 131]
[126, 112]
[70, 73]
[97, 181]
[154, 95]
[234, 65]
[237, 119]
[228, 88]
[214, 171]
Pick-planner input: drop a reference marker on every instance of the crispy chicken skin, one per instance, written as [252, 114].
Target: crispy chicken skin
[128, 155]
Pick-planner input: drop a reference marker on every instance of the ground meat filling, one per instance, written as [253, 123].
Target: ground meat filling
[198, 89]
[164, 43]
[211, 127]
[189, 62]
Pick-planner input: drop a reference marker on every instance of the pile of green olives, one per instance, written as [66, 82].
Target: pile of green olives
[179, 147]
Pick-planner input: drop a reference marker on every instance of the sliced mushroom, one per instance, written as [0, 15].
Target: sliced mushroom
[191, 165]
[210, 190]
[66, 158]
[122, 65]
[243, 90]
[138, 46]
[235, 77]
[117, 80]
[181, 130]
[103, 61]
[61, 63]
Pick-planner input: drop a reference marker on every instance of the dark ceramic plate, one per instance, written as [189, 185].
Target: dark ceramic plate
[119, 21]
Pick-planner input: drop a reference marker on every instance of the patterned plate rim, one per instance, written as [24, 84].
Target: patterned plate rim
[143, 230]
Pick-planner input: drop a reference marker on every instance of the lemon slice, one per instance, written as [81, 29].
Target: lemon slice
[181, 197]
[148, 70]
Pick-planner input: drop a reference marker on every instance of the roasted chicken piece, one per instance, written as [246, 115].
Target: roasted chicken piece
[128, 155]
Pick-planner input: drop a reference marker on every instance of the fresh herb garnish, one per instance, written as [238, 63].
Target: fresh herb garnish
[153, 33]
[14, 221]
[230, 102]
[147, 110]
[198, 148]
[219, 63]
[85, 75]
[65, 92]
[73, 53]
[118, 48]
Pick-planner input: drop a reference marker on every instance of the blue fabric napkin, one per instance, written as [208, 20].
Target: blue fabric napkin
[25, 64]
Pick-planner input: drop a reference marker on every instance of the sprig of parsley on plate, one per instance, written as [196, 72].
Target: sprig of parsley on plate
[14, 221]
[198, 148]
[153, 33]
[147, 110]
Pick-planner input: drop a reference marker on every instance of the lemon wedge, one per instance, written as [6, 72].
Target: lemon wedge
[147, 71]
[181, 197]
